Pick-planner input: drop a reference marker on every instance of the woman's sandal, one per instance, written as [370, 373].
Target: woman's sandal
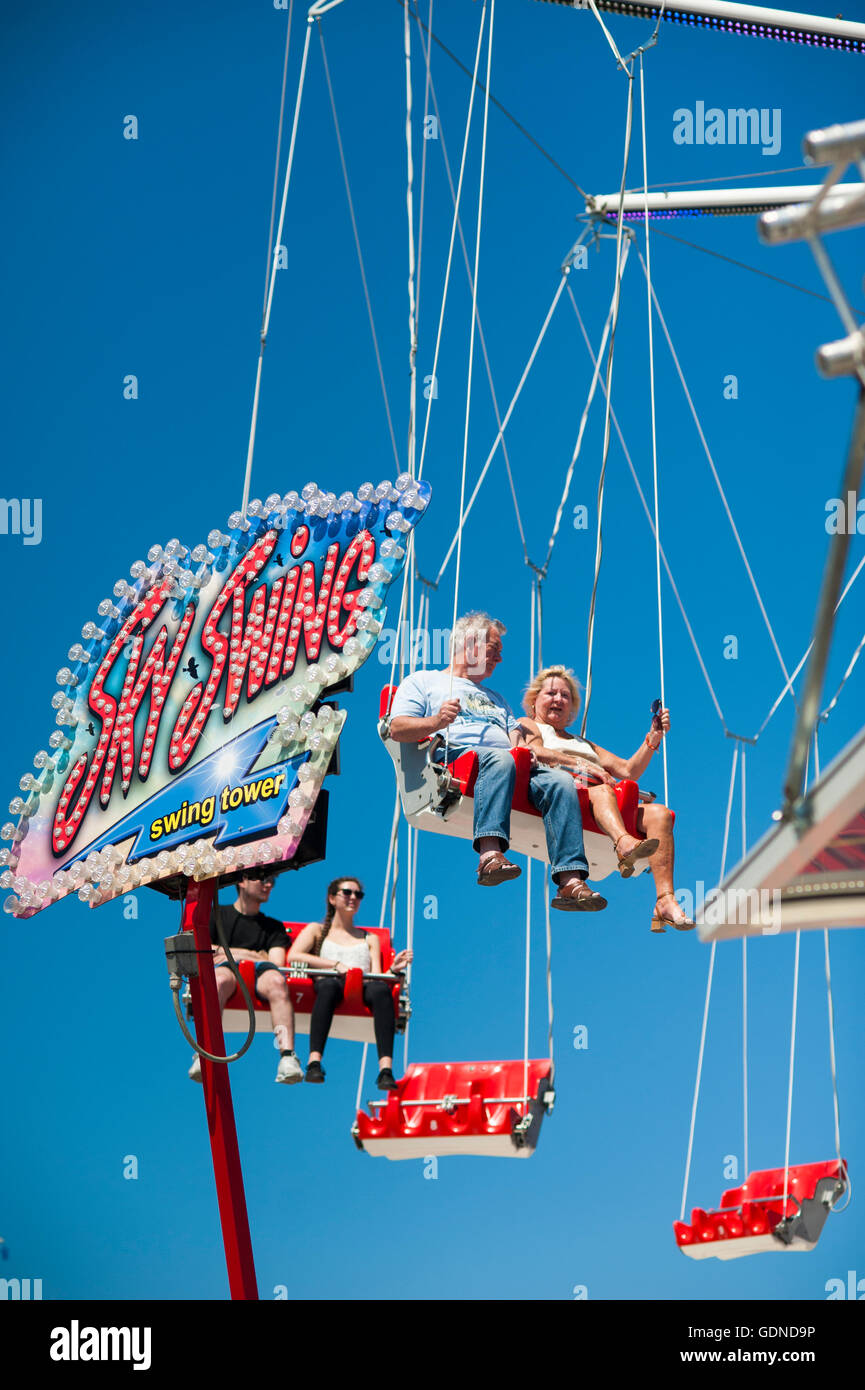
[662, 920]
[640, 851]
[493, 869]
[578, 897]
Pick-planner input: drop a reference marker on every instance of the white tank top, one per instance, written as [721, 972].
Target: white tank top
[575, 745]
[356, 957]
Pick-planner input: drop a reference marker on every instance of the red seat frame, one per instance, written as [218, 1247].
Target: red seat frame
[448, 1108]
[748, 1215]
[352, 1019]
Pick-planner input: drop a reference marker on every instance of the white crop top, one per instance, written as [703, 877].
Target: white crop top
[356, 957]
[576, 745]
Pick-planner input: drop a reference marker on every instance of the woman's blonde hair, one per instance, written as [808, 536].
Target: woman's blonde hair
[563, 673]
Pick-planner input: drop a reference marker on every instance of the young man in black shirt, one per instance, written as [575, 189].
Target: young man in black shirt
[253, 936]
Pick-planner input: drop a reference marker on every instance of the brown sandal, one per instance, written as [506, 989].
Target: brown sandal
[578, 897]
[640, 851]
[493, 869]
[662, 920]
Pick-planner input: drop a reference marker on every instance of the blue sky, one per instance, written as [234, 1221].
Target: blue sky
[147, 257]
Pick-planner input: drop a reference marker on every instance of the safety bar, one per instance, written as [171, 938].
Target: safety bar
[451, 1102]
[755, 1201]
[301, 972]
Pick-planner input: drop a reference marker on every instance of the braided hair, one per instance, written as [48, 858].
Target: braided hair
[330, 910]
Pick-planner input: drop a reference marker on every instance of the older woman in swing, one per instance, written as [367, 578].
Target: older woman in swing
[552, 701]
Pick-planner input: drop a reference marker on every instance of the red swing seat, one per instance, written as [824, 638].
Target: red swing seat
[484, 1109]
[440, 799]
[352, 1019]
[754, 1219]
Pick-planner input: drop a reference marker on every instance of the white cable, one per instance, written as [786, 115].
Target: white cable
[702, 1047]
[360, 1077]
[410, 937]
[718, 483]
[266, 325]
[268, 268]
[393, 833]
[830, 1007]
[549, 971]
[359, 252]
[427, 52]
[397, 650]
[792, 1056]
[532, 631]
[472, 335]
[481, 336]
[583, 420]
[832, 1058]
[744, 987]
[607, 35]
[648, 513]
[483, 473]
[855, 657]
[451, 246]
[528, 973]
[409, 198]
[608, 392]
[847, 587]
[657, 526]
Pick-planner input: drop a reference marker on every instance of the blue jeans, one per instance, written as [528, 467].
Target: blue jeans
[551, 790]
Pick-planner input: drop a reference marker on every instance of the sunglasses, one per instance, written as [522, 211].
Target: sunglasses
[351, 893]
[656, 714]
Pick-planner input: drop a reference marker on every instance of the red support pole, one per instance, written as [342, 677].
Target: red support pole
[217, 1098]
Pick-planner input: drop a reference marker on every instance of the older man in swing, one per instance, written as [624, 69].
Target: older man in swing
[457, 703]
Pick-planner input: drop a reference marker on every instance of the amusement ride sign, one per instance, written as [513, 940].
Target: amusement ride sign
[186, 741]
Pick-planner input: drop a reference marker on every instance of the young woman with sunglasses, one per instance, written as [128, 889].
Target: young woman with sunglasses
[336, 944]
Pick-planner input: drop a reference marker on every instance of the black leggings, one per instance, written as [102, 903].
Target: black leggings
[330, 991]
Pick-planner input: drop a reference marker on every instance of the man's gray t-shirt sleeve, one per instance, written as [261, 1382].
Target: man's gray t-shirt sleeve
[411, 699]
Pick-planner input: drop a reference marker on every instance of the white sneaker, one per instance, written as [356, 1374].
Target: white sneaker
[289, 1070]
[195, 1069]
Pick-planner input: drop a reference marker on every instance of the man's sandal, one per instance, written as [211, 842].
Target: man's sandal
[493, 869]
[640, 851]
[578, 897]
[660, 920]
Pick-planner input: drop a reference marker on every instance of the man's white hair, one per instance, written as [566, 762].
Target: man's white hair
[478, 623]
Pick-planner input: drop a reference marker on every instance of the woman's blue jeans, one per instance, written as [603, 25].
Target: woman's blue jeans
[551, 790]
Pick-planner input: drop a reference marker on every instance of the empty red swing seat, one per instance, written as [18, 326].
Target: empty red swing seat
[484, 1109]
[754, 1219]
[440, 799]
[352, 1020]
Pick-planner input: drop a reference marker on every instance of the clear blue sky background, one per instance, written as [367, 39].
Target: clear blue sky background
[147, 257]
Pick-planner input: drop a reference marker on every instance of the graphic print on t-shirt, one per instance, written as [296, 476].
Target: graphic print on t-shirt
[479, 704]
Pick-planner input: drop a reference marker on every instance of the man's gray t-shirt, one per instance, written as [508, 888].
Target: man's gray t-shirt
[485, 719]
